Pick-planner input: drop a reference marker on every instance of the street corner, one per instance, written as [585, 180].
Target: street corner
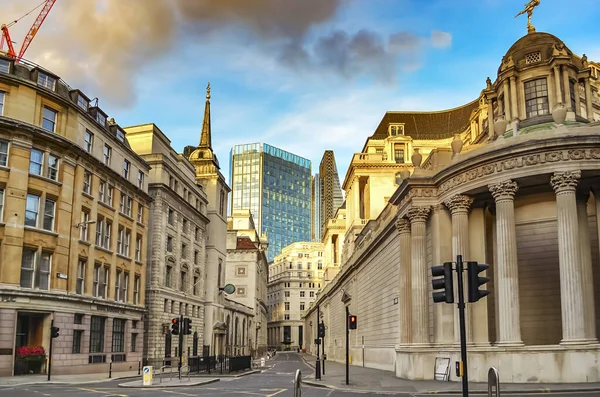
[315, 383]
[138, 384]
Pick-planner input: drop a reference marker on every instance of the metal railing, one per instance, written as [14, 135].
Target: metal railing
[298, 384]
[162, 371]
[493, 382]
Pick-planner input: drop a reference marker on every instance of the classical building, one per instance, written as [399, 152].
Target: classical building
[209, 176]
[294, 280]
[275, 186]
[176, 246]
[511, 180]
[247, 270]
[333, 244]
[240, 325]
[330, 193]
[73, 227]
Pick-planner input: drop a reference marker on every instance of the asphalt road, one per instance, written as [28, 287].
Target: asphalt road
[275, 381]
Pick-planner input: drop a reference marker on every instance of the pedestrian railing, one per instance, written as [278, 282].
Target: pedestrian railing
[493, 383]
[298, 384]
[162, 371]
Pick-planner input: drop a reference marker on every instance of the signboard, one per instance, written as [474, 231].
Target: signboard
[147, 376]
[442, 369]
[61, 275]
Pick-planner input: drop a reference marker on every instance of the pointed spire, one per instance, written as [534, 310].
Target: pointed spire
[205, 139]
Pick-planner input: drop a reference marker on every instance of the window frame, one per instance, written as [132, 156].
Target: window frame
[2, 102]
[530, 88]
[97, 334]
[36, 270]
[140, 179]
[4, 155]
[126, 169]
[107, 153]
[88, 145]
[44, 119]
[44, 80]
[80, 280]
[87, 182]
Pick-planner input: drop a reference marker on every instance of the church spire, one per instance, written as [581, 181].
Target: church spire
[205, 140]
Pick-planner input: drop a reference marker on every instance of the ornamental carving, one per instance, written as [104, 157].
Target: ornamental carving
[459, 203]
[565, 181]
[418, 214]
[519, 162]
[504, 190]
[402, 225]
[418, 192]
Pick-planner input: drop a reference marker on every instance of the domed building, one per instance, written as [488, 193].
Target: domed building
[509, 180]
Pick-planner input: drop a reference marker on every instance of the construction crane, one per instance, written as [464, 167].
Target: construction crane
[47, 6]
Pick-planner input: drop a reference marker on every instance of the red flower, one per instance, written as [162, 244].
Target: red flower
[31, 351]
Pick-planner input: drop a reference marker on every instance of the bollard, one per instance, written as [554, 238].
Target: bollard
[139, 367]
[493, 383]
[110, 370]
[298, 384]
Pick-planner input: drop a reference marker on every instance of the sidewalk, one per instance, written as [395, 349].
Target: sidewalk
[22, 380]
[374, 380]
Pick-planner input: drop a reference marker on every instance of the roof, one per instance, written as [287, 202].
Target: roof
[429, 125]
[245, 243]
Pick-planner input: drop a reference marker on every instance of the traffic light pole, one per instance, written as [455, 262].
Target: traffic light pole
[180, 344]
[50, 350]
[463, 334]
[347, 346]
[323, 347]
[318, 363]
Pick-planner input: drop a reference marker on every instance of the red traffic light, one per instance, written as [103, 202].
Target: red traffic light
[175, 320]
[352, 321]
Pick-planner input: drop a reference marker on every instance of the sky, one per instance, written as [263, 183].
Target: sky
[302, 75]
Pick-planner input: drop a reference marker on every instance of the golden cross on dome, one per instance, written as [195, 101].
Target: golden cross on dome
[529, 10]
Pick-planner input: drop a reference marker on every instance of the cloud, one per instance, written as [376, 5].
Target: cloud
[441, 39]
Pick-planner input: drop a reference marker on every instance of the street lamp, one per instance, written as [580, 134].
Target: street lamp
[84, 223]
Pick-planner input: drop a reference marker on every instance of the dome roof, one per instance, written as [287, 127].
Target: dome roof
[532, 43]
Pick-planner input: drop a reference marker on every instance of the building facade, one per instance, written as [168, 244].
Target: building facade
[294, 280]
[517, 189]
[176, 248]
[247, 270]
[315, 217]
[330, 195]
[73, 228]
[209, 176]
[275, 186]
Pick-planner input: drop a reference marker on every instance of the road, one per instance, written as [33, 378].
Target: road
[275, 381]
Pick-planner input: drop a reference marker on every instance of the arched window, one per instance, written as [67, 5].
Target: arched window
[244, 332]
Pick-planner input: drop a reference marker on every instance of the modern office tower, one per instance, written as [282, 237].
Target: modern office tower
[315, 220]
[330, 193]
[275, 186]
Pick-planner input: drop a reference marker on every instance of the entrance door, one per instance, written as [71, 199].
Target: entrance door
[29, 358]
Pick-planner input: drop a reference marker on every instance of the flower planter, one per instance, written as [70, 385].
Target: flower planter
[29, 366]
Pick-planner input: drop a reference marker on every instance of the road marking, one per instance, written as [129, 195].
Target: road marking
[107, 393]
[276, 393]
[178, 392]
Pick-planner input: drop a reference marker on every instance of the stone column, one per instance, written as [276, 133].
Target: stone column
[419, 280]
[557, 84]
[586, 263]
[577, 99]
[513, 98]
[588, 99]
[404, 287]
[506, 273]
[459, 208]
[506, 100]
[567, 88]
[569, 256]
[490, 110]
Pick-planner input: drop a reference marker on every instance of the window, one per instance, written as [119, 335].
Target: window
[169, 244]
[301, 294]
[136, 290]
[572, 93]
[35, 269]
[287, 305]
[87, 182]
[168, 272]
[286, 316]
[195, 257]
[80, 285]
[88, 142]
[195, 287]
[2, 96]
[85, 218]
[312, 294]
[320, 266]
[46, 81]
[197, 234]
[399, 153]
[183, 251]
[49, 119]
[120, 135]
[123, 241]
[536, 98]
[301, 305]
[4, 66]
[286, 294]
[138, 248]
[126, 168]
[140, 179]
[125, 205]
[77, 334]
[36, 162]
[49, 208]
[105, 193]
[107, 154]
[3, 153]
[97, 334]
[140, 215]
[82, 102]
[184, 226]
[78, 318]
[171, 216]
[100, 281]
[133, 342]
[103, 229]
[101, 119]
[32, 208]
[1, 203]
[121, 281]
[222, 203]
[182, 281]
[52, 172]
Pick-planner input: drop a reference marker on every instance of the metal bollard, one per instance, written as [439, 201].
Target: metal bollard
[298, 384]
[139, 367]
[493, 382]
[110, 370]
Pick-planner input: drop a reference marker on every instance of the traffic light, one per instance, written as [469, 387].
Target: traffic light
[445, 283]
[351, 321]
[187, 326]
[473, 270]
[175, 326]
[321, 330]
[54, 332]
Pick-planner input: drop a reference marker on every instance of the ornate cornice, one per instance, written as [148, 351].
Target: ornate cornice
[565, 181]
[402, 225]
[418, 214]
[504, 190]
[459, 203]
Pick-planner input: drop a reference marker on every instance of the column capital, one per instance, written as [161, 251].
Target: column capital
[418, 214]
[402, 225]
[459, 203]
[565, 181]
[504, 190]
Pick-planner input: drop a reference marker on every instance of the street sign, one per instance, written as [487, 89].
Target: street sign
[147, 377]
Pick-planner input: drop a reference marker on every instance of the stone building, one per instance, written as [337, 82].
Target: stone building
[239, 323]
[515, 188]
[209, 176]
[176, 245]
[73, 227]
[247, 270]
[294, 280]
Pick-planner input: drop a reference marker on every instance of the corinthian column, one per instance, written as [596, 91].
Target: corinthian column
[506, 274]
[405, 288]
[588, 99]
[589, 312]
[419, 280]
[459, 206]
[569, 256]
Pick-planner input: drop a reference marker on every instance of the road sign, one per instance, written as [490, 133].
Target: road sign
[147, 377]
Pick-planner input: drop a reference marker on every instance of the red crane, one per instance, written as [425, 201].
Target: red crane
[47, 6]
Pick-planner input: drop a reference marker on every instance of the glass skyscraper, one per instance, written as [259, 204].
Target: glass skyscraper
[275, 186]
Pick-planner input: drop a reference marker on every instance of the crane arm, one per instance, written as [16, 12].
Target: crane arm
[35, 27]
[6, 37]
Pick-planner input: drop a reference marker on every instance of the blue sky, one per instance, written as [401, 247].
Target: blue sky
[302, 75]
